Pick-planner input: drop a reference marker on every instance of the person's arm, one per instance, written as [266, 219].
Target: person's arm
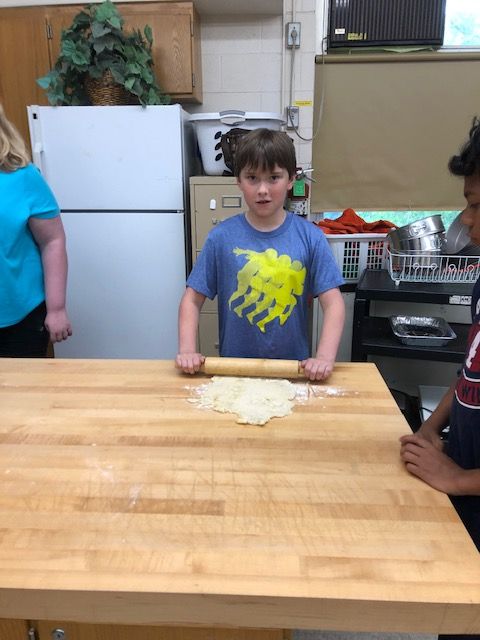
[424, 460]
[423, 457]
[333, 307]
[436, 421]
[50, 237]
[188, 359]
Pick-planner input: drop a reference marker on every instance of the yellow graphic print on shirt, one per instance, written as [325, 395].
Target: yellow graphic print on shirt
[269, 282]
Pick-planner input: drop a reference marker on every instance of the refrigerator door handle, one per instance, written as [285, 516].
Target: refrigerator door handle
[37, 153]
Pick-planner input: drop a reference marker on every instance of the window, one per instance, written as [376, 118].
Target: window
[462, 23]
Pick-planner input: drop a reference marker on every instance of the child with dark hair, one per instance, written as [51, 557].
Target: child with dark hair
[263, 265]
[455, 470]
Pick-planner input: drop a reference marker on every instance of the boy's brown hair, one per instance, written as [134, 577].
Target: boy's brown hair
[263, 149]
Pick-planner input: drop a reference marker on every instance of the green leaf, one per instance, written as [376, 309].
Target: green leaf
[118, 75]
[148, 34]
[116, 22]
[80, 21]
[133, 68]
[99, 30]
[106, 11]
[45, 81]
[96, 73]
[128, 84]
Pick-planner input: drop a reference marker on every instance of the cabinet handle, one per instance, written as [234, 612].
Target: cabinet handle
[37, 154]
[231, 202]
[58, 634]
[232, 117]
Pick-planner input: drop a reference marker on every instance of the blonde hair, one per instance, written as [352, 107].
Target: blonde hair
[13, 150]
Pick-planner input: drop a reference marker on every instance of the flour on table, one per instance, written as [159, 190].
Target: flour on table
[254, 400]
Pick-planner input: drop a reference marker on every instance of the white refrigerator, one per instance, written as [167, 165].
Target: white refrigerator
[120, 175]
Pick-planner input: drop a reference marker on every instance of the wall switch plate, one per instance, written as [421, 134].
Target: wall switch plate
[293, 35]
[293, 117]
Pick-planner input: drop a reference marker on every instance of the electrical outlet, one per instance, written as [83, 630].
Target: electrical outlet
[293, 117]
[293, 35]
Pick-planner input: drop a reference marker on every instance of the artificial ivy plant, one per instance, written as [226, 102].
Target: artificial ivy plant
[95, 44]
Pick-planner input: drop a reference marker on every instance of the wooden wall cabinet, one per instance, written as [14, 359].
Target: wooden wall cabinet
[30, 44]
[212, 200]
[24, 57]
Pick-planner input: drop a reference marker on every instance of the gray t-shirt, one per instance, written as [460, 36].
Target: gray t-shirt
[265, 281]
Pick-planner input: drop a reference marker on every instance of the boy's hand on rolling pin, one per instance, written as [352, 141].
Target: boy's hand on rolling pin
[189, 362]
[317, 368]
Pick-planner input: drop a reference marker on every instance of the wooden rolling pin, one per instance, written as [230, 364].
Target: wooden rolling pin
[252, 367]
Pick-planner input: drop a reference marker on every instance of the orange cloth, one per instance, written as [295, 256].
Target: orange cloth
[350, 222]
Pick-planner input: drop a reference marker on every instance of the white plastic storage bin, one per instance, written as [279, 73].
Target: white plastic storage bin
[210, 128]
[355, 252]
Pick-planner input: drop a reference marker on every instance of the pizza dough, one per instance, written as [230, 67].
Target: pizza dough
[254, 400]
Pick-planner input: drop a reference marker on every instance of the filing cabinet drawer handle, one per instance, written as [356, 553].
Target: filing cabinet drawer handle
[231, 202]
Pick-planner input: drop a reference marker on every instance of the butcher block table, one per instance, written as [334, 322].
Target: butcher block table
[124, 503]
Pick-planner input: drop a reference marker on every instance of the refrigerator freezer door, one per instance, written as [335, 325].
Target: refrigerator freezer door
[114, 158]
[126, 276]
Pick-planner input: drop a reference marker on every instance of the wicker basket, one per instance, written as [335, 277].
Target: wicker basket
[106, 91]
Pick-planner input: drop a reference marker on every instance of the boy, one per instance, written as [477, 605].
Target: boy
[263, 265]
[457, 470]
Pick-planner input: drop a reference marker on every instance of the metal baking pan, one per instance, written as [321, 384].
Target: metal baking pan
[422, 331]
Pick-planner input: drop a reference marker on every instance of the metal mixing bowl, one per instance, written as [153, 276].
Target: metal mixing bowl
[458, 240]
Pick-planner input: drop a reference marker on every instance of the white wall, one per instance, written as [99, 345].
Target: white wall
[242, 63]
[247, 66]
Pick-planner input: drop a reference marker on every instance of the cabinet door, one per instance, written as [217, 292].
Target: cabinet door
[176, 43]
[13, 629]
[74, 631]
[23, 59]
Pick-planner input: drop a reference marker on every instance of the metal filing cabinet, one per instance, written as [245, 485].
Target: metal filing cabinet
[212, 200]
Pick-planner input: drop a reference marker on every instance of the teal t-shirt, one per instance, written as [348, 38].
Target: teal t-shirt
[23, 194]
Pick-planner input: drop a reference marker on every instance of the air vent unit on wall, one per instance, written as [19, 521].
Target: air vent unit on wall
[366, 23]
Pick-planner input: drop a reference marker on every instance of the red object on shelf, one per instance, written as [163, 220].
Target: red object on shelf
[351, 222]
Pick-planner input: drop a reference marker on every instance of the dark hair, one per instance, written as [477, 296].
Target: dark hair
[263, 149]
[467, 162]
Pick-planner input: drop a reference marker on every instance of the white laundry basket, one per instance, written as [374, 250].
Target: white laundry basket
[210, 127]
[355, 252]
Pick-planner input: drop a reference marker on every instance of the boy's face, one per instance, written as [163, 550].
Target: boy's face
[265, 192]
[471, 214]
